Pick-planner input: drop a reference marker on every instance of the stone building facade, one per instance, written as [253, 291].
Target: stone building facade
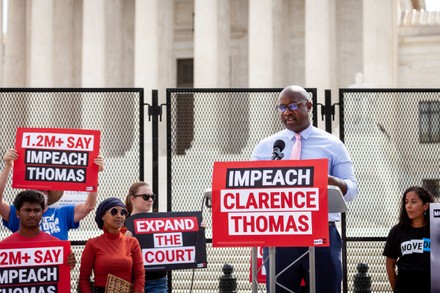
[159, 44]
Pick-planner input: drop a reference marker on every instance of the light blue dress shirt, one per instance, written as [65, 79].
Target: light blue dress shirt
[315, 144]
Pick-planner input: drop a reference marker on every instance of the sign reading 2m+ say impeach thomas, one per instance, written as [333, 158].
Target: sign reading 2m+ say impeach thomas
[56, 159]
[34, 267]
[270, 203]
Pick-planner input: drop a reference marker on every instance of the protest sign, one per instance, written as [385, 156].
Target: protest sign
[56, 159]
[34, 267]
[270, 203]
[169, 241]
[434, 245]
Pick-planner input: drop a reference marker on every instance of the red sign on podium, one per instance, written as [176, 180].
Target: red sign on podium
[270, 203]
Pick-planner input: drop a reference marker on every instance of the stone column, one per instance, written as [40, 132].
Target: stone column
[146, 55]
[146, 45]
[261, 43]
[114, 40]
[16, 46]
[167, 72]
[153, 46]
[211, 63]
[154, 67]
[119, 72]
[167, 59]
[94, 45]
[14, 73]
[41, 53]
[41, 58]
[67, 60]
[380, 42]
[211, 43]
[65, 37]
[263, 47]
[7, 103]
[1, 42]
[320, 46]
[94, 62]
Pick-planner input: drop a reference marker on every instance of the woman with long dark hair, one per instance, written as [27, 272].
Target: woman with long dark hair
[408, 244]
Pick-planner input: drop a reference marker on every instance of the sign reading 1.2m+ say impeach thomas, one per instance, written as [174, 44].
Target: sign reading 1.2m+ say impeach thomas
[56, 159]
[270, 203]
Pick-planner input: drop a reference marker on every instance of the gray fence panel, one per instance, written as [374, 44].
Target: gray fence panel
[393, 138]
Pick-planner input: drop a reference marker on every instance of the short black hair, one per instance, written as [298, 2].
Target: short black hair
[31, 196]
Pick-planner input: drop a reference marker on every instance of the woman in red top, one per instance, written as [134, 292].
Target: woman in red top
[112, 252]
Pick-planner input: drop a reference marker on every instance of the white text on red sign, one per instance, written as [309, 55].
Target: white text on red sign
[167, 239]
[31, 257]
[283, 176]
[56, 158]
[155, 225]
[22, 276]
[269, 223]
[74, 142]
[154, 256]
[273, 199]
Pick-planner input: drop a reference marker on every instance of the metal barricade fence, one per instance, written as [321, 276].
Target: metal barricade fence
[204, 126]
[116, 112]
[391, 134]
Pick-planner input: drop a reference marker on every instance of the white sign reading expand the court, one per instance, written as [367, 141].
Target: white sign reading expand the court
[169, 241]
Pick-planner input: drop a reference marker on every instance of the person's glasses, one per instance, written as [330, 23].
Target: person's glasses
[292, 107]
[146, 196]
[115, 211]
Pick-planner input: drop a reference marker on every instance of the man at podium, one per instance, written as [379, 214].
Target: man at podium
[301, 140]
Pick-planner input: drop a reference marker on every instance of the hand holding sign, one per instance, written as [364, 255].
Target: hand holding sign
[100, 162]
[9, 157]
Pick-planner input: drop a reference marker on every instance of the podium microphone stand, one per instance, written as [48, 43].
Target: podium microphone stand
[336, 204]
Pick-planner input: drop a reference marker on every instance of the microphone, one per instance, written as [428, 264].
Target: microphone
[207, 197]
[278, 147]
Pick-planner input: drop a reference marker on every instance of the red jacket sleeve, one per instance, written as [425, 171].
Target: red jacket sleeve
[138, 267]
[85, 271]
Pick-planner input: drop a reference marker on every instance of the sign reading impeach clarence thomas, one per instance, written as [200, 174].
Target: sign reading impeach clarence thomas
[34, 267]
[56, 159]
[270, 203]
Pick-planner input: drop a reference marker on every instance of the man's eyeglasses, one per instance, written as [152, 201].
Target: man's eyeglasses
[115, 211]
[292, 107]
[146, 196]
